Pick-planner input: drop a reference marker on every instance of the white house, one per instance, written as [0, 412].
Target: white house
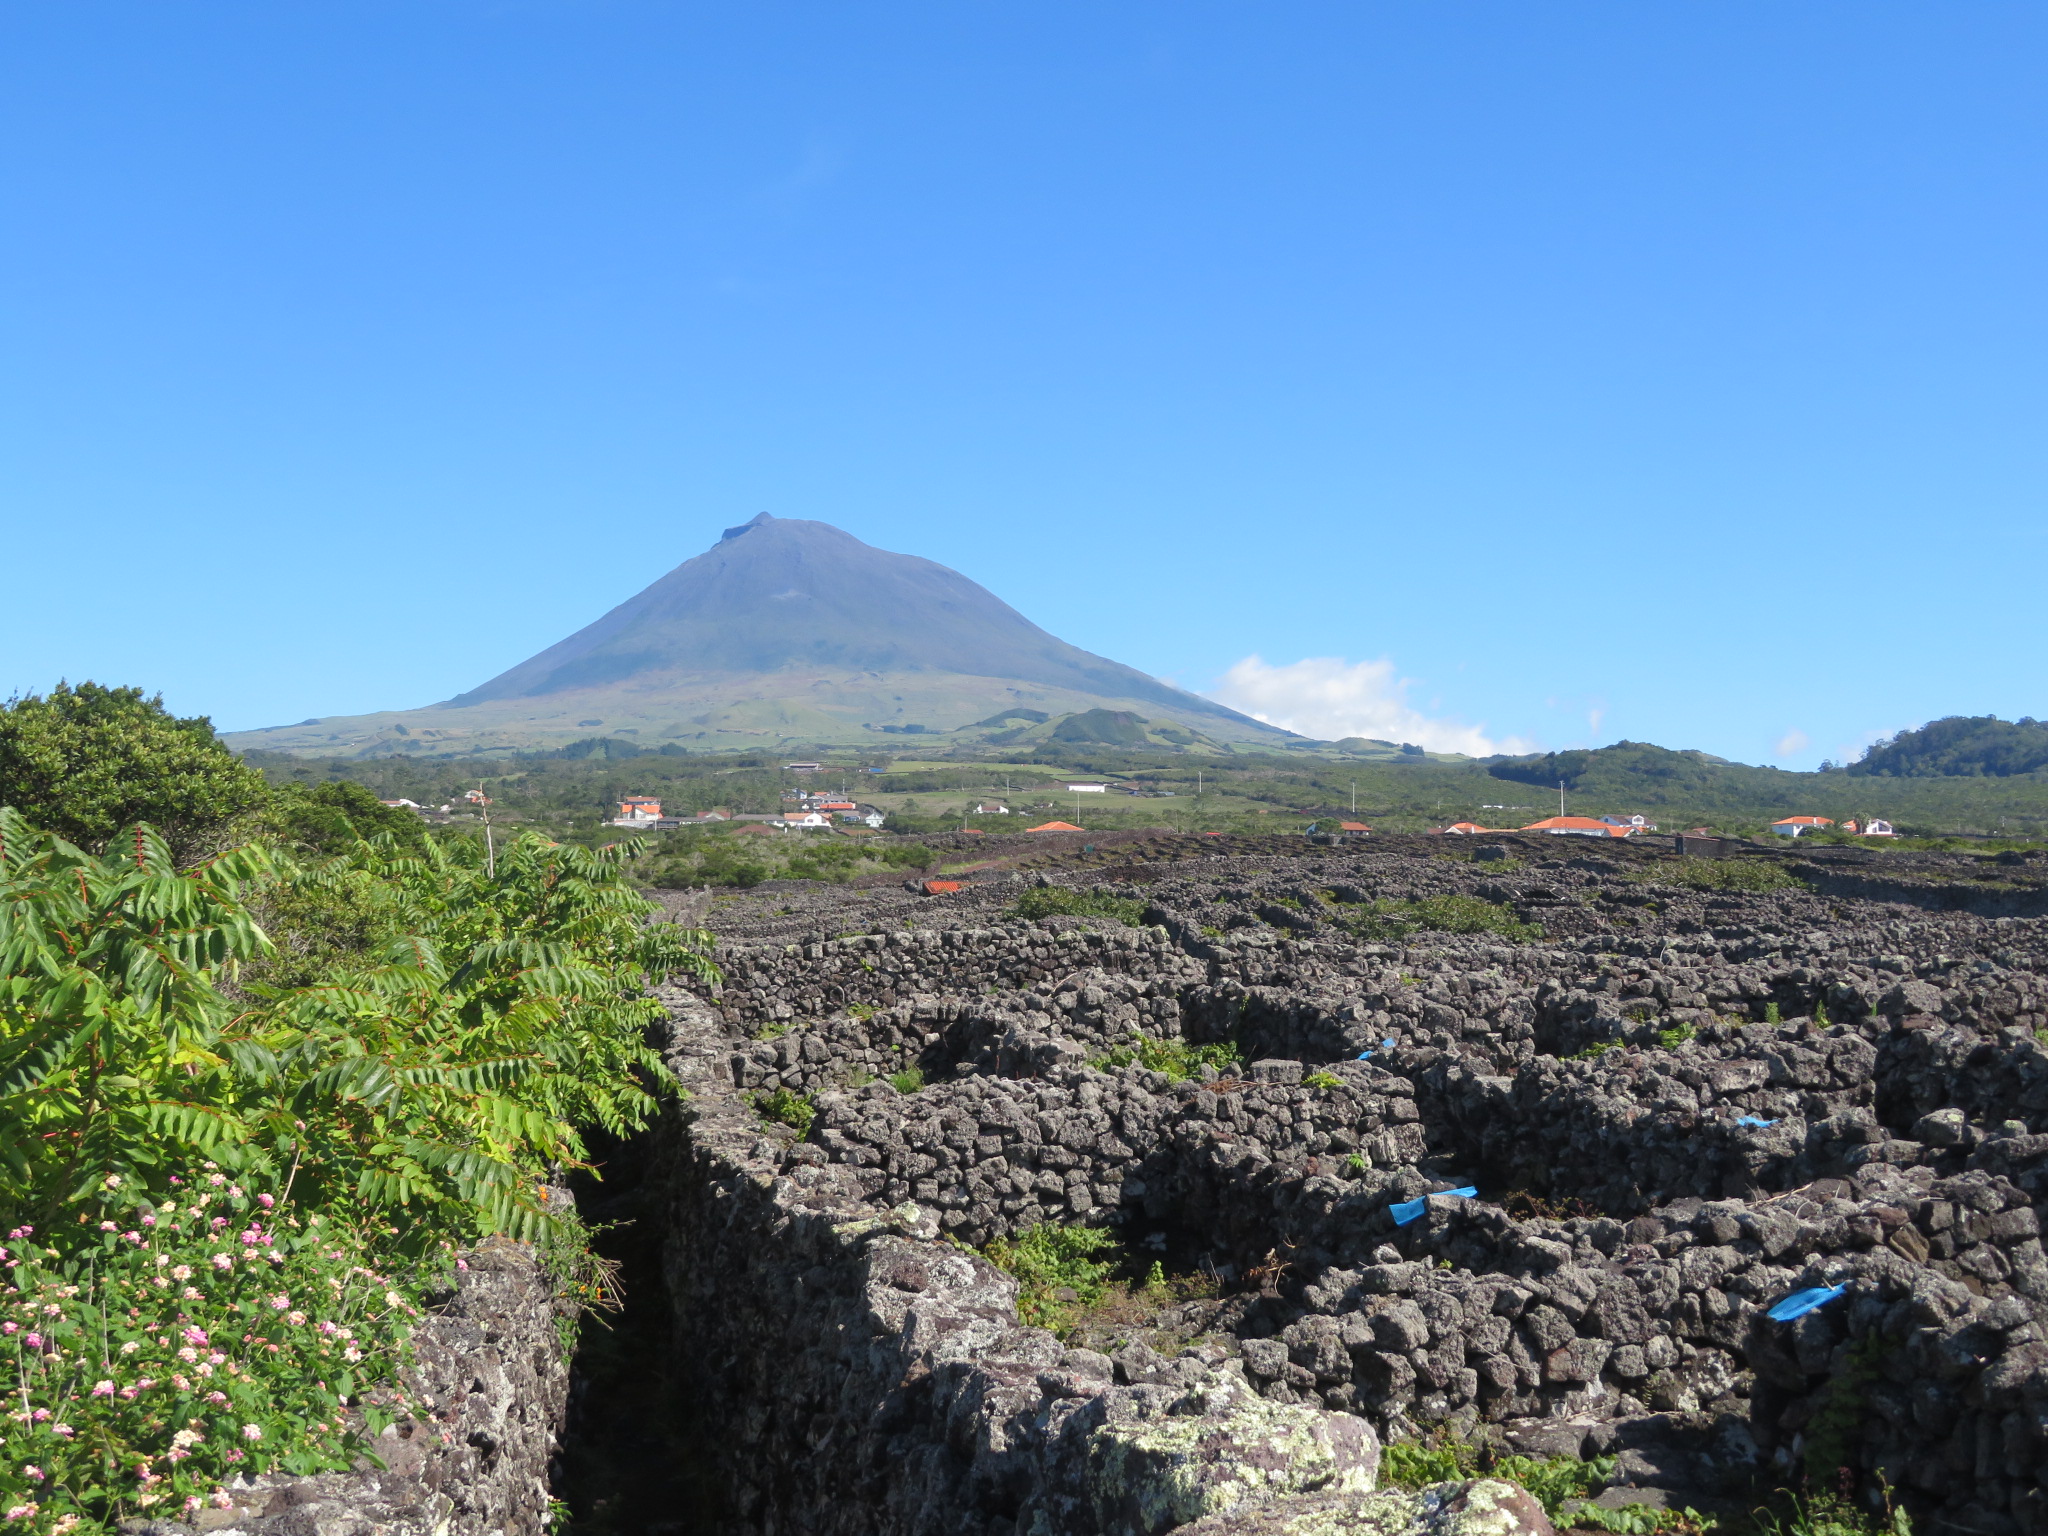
[1792, 826]
[1090, 788]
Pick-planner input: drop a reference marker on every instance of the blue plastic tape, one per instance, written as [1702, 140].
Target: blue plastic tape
[1385, 1045]
[1799, 1303]
[1411, 1210]
[1755, 1120]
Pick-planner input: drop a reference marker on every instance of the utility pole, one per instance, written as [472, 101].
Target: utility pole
[1560, 797]
[1354, 799]
[490, 848]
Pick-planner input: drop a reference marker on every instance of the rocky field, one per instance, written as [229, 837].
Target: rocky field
[1533, 1187]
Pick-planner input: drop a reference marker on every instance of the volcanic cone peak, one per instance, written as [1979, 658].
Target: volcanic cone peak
[778, 593]
[788, 630]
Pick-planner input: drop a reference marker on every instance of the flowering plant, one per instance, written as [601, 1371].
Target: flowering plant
[158, 1349]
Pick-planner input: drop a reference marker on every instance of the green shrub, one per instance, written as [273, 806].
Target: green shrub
[1065, 901]
[1670, 1039]
[786, 1107]
[1048, 1260]
[1385, 921]
[88, 763]
[1322, 1080]
[909, 1080]
[332, 818]
[442, 1076]
[1177, 1059]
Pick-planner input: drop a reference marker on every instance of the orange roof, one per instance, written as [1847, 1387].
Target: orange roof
[1352, 826]
[940, 887]
[1055, 826]
[1802, 821]
[1466, 826]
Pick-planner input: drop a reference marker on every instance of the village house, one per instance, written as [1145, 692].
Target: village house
[1578, 826]
[990, 807]
[1793, 826]
[1085, 787]
[637, 811]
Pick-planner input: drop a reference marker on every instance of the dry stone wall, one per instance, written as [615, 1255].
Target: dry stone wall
[1678, 1108]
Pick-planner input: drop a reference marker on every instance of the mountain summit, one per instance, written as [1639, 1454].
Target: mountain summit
[785, 628]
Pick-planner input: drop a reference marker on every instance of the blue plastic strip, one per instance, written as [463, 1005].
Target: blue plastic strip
[1385, 1045]
[1411, 1210]
[1755, 1120]
[1799, 1303]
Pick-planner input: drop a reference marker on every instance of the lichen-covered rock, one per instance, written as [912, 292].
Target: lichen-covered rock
[1482, 1507]
[1149, 1470]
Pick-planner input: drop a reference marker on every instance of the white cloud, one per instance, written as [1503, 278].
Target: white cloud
[1792, 743]
[1329, 698]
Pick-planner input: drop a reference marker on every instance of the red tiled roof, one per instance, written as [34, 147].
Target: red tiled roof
[1055, 826]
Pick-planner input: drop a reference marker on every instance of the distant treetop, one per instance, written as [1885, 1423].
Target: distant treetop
[86, 762]
[1960, 746]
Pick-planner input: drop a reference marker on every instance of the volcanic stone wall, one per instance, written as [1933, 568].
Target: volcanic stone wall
[1694, 1106]
[857, 1374]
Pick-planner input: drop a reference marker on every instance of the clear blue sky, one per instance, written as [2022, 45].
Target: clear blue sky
[1665, 371]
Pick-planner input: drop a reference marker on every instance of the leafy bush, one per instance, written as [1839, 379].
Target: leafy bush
[1060, 1270]
[332, 818]
[86, 763]
[166, 1345]
[442, 1077]
[786, 1107]
[1395, 920]
[1177, 1059]
[910, 1080]
[1322, 1080]
[1066, 901]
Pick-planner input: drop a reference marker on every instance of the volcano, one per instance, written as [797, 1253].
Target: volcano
[786, 630]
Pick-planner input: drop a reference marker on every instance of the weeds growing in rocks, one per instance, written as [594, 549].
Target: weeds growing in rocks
[1060, 1271]
[1175, 1059]
[1391, 921]
[1065, 901]
[784, 1107]
[1721, 875]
